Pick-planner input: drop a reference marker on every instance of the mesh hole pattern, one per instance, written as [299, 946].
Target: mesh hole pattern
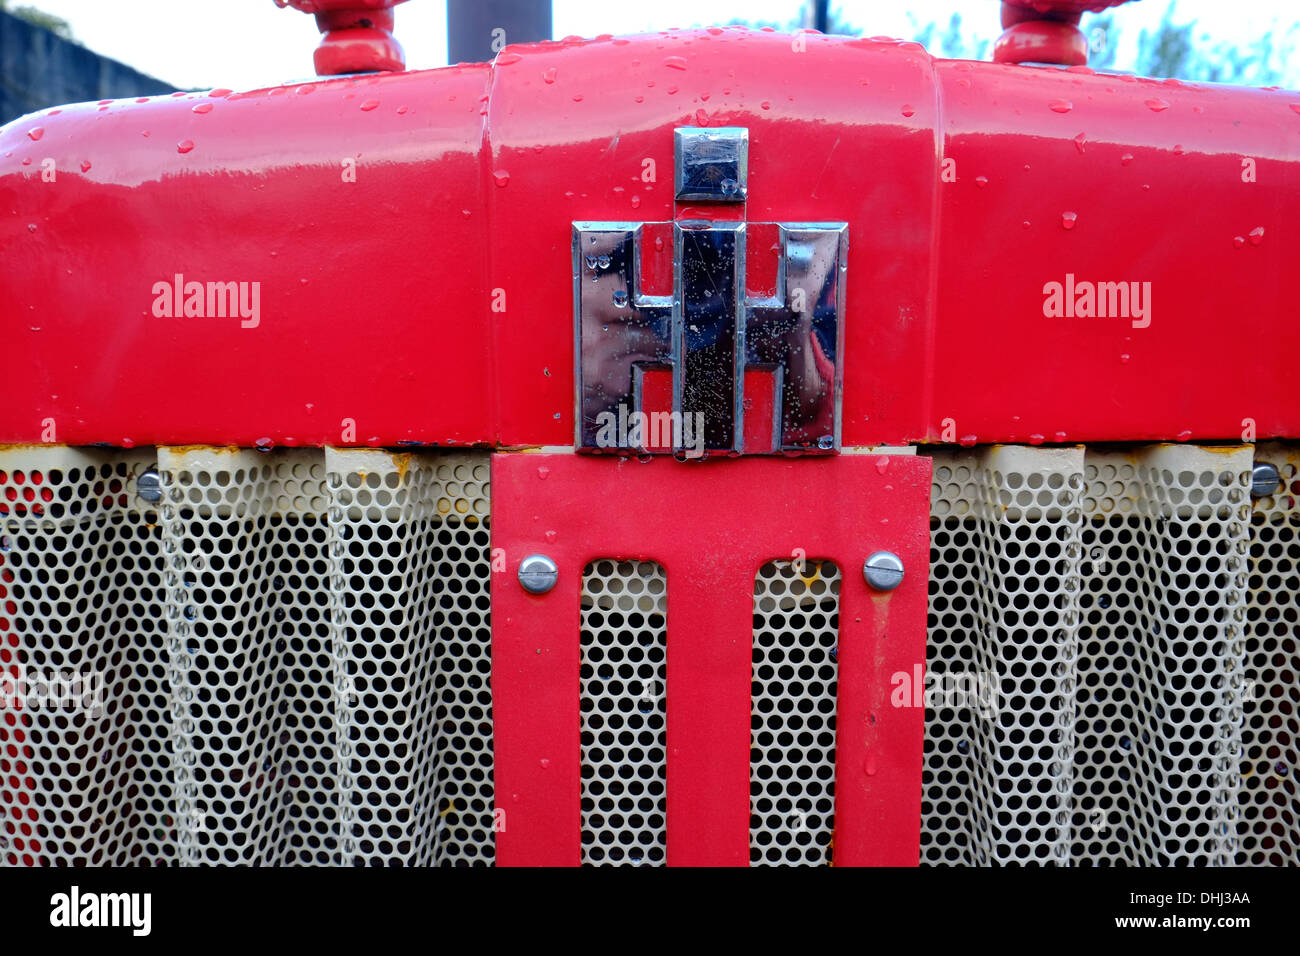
[624, 711]
[1087, 656]
[792, 735]
[290, 657]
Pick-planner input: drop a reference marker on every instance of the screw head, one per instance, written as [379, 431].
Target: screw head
[1264, 480]
[883, 570]
[537, 574]
[149, 485]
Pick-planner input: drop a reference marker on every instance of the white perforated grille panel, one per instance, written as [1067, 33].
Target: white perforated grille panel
[293, 649]
[792, 740]
[624, 708]
[1086, 650]
[1270, 804]
[287, 661]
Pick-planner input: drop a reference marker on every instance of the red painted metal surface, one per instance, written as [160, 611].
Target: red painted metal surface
[430, 299]
[711, 526]
[358, 35]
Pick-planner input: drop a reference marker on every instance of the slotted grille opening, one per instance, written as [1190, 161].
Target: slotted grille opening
[792, 722]
[624, 708]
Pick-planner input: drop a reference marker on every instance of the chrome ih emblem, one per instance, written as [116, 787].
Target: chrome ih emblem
[709, 331]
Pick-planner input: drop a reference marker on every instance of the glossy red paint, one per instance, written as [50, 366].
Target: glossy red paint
[430, 300]
[711, 552]
[358, 35]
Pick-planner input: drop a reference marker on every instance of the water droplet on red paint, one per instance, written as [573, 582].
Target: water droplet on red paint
[1157, 105]
[35, 133]
[1068, 219]
[659, 243]
[1080, 142]
[402, 110]
[1036, 439]
[466, 213]
[967, 441]
[184, 146]
[577, 97]
[142, 99]
[501, 176]
[544, 762]
[85, 165]
[505, 59]
[1257, 235]
[636, 201]
[369, 105]
[672, 90]
[549, 76]
[675, 62]
[1126, 159]
[551, 536]
[144, 133]
[543, 472]
[1124, 357]
[701, 118]
[882, 465]
[908, 110]
[981, 180]
[869, 765]
[1184, 434]
[221, 91]
[765, 105]
[27, 161]
[201, 108]
[1238, 241]
[1026, 224]
[1060, 106]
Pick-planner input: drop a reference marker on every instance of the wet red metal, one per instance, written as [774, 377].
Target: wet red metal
[410, 236]
[712, 526]
[358, 35]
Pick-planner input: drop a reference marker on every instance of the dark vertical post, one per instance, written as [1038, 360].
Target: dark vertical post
[478, 29]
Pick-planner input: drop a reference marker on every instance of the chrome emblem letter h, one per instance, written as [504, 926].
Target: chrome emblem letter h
[709, 331]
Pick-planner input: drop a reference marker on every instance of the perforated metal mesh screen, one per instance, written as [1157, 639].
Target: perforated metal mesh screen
[287, 660]
[623, 707]
[792, 738]
[292, 649]
[1270, 806]
[1087, 650]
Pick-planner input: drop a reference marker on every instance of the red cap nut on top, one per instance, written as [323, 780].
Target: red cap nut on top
[1045, 31]
[358, 35]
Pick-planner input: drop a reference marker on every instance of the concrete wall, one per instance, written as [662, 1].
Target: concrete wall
[39, 70]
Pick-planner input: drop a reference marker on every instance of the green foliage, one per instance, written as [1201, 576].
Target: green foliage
[56, 25]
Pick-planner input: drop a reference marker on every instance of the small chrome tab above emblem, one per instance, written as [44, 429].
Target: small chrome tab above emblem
[711, 165]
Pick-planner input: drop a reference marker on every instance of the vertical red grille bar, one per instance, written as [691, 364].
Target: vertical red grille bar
[711, 526]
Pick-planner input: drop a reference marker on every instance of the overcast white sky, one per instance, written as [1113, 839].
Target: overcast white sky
[244, 44]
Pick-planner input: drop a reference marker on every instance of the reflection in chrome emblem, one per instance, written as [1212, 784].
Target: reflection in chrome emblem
[707, 334]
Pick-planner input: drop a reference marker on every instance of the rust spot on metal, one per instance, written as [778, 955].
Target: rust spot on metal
[402, 463]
